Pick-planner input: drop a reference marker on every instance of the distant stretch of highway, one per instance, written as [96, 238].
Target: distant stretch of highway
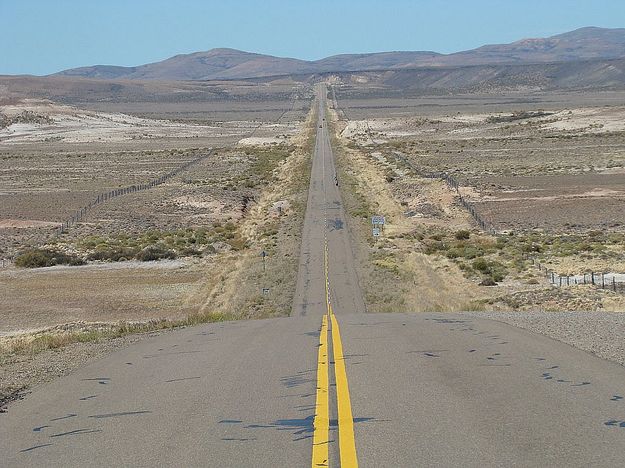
[330, 385]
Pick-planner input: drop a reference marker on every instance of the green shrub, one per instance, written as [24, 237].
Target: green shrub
[155, 252]
[112, 253]
[463, 234]
[39, 258]
[190, 252]
[491, 269]
[481, 265]
[501, 243]
[237, 243]
[471, 252]
[453, 253]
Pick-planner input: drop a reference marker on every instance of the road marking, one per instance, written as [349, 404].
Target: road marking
[321, 424]
[347, 442]
[327, 276]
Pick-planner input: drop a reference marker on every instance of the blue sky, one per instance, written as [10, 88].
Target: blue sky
[45, 36]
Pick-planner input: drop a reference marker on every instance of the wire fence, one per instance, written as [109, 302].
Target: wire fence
[603, 280]
[342, 115]
[454, 185]
[111, 194]
[450, 180]
[104, 197]
[107, 196]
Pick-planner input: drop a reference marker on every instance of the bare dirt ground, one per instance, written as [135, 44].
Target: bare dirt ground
[45, 297]
[62, 157]
[33, 121]
[211, 220]
[360, 102]
[57, 158]
[396, 273]
[544, 170]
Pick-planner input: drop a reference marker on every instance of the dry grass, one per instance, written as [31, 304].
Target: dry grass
[126, 291]
[33, 343]
[552, 180]
[237, 289]
[396, 276]
[228, 199]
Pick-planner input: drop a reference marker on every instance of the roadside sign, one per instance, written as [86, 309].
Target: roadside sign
[376, 232]
[377, 220]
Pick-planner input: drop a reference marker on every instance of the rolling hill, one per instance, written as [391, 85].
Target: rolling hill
[217, 64]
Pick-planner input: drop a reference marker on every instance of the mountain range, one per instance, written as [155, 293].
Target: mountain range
[590, 43]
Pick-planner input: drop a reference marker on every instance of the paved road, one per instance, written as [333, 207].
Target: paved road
[325, 226]
[384, 390]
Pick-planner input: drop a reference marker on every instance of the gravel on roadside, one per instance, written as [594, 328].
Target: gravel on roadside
[600, 333]
[19, 373]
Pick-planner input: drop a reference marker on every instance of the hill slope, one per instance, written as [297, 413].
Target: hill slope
[581, 44]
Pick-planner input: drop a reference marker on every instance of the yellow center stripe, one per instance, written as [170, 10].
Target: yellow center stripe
[321, 422]
[347, 443]
[326, 272]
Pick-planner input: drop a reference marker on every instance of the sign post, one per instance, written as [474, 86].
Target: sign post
[378, 220]
[378, 223]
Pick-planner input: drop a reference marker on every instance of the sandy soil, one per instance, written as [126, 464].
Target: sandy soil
[45, 297]
[73, 125]
[56, 158]
[553, 165]
[396, 275]
[25, 223]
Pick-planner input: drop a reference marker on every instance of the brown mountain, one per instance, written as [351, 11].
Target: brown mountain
[577, 75]
[213, 64]
[581, 44]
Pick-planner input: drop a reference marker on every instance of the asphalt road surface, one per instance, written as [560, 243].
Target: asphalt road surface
[325, 231]
[382, 391]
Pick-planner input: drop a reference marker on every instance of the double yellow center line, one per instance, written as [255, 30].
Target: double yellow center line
[321, 434]
[321, 424]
